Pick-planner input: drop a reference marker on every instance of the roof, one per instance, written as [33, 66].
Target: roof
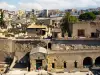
[43, 18]
[56, 30]
[52, 18]
[36, 26]
[38, 50]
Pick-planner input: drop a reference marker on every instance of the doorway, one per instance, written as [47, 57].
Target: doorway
[87, 62]
[97, 62]
[94, 35]
[49, 45]
[38, 64]
[81, 32]
[75, 64]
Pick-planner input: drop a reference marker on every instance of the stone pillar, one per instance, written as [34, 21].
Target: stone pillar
[93, 62]
[59, 35]
[50, 61]
[44, 63]
[11, 46]
[80, 63]
[33, 64]
[70, 64]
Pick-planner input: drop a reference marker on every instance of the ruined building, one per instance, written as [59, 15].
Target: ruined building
[32, 54]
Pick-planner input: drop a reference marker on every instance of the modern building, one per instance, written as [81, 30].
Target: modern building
[72, 11]
[54, 21]
[55, 12]
[36, 12]
[44, 13]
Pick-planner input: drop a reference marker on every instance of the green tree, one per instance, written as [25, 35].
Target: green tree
[1, 19]
[67, 22]
[24, 28]
[33, 18]
[1, 16]
[96, 12]
[87, 16]
[2, 22]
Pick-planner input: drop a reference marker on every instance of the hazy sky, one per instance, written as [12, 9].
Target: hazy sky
[48, 4]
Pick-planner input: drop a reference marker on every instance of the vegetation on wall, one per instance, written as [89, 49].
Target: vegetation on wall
[33, 18]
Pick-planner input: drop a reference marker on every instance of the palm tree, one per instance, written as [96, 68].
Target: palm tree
[33, 18]
[67, 22]
[2, 22]
[1, 19]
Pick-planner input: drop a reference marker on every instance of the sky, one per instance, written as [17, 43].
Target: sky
[48, 4]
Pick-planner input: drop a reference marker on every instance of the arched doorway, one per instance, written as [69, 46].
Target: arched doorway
[97, 61]
[38, 55]
[87, 62]
[75, 64]
[49, 45]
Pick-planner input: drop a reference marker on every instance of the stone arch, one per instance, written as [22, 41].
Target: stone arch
[65, 64]
[97, 61]
[23, 60]
[87, 62]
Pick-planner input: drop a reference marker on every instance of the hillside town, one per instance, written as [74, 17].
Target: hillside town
[50, 42]
[44, 23]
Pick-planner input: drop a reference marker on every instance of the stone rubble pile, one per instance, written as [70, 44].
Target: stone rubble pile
[75, 47]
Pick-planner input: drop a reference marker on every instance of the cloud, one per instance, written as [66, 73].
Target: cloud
[28, 6]
[4, 5]
[64, 4]
[51, 4]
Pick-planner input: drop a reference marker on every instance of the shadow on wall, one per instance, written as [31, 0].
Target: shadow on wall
[96, 66]
[24, 62]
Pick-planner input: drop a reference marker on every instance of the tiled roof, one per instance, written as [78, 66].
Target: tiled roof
[56, 30]
[38, 49]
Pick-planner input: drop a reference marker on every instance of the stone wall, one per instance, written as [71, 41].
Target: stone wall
[70, 58]
[89, 28]
[27, 45]
[37, 56]
[76, 45]
[79, 50]
[21, 45]
[5, 45]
